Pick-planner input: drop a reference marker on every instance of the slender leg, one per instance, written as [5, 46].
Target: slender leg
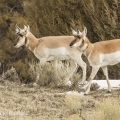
[56, 65]
[43, 61]
[74, 67]
[82, 64]
[92, 75]
[41, 65]
[105, 71]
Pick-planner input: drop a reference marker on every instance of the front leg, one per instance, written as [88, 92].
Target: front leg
[105, 71]
[92, 75]
[41, 65]
[82, 64]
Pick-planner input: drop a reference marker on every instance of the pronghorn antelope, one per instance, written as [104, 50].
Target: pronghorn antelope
[51, 48]
[99, 54]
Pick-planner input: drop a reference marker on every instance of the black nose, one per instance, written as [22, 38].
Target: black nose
[71, 44]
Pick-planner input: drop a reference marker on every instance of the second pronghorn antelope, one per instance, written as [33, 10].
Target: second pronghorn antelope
[51, 48]
[99, 54]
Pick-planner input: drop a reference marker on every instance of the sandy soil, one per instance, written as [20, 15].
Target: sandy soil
[25, 102]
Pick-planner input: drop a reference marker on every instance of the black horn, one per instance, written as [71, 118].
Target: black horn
[77, 29]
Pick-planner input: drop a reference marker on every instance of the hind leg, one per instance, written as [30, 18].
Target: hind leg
[73, 67]
[41, 65]
[105, 71]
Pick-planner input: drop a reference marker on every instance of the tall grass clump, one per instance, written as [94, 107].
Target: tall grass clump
[56, 73]
[73, 102]
[78, 105]
[89, 109]
[107, 109]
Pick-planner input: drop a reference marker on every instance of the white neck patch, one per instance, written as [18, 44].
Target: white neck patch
[27, 34]
[84, 47]
[27, 43]
[78, 43]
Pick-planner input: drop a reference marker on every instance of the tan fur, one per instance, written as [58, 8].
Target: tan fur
[99, 54]
[51, 48]
[93, 52]
[33, 42]
[108, 46]
[49, 42]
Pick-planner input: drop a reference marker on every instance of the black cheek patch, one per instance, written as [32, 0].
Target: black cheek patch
[72, 43]
[25, 40]
[82, 41]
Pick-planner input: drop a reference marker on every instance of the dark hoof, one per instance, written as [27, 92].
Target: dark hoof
[85, 94]
[108, 91]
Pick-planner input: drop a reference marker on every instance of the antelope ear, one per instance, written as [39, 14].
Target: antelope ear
[17, 29]
[84, 31]
[16, 26]
[78, 31]
[28, 28]
[73, 32]
[25, 27]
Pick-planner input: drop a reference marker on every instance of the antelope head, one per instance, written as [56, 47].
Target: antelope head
[22, 32]
[22, 35]
[79, 37]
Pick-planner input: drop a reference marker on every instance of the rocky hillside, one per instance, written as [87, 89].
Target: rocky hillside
[54, 17]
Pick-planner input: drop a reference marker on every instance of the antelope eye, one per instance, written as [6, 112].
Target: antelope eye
[20, 35]
[77, 37]
[82, 41]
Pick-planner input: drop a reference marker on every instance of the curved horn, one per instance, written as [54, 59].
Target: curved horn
[77, 29]
[25, 27]
[28, 27]
[17, 26]
[17, 29]
[85, 31]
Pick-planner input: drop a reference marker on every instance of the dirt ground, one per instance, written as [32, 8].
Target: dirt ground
[25, 102]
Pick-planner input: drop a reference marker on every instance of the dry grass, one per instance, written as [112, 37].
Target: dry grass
[87, 108]
[74, 103]
[23, 102]
[50, 74]
[107, 109]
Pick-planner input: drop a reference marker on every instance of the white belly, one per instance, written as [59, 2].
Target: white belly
[57, 53]
[52, 54]
[110, 59]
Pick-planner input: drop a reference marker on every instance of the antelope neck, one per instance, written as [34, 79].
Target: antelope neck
[31, 42]
[89, 48]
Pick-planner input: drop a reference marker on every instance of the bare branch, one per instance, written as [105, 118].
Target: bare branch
[11, 9]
